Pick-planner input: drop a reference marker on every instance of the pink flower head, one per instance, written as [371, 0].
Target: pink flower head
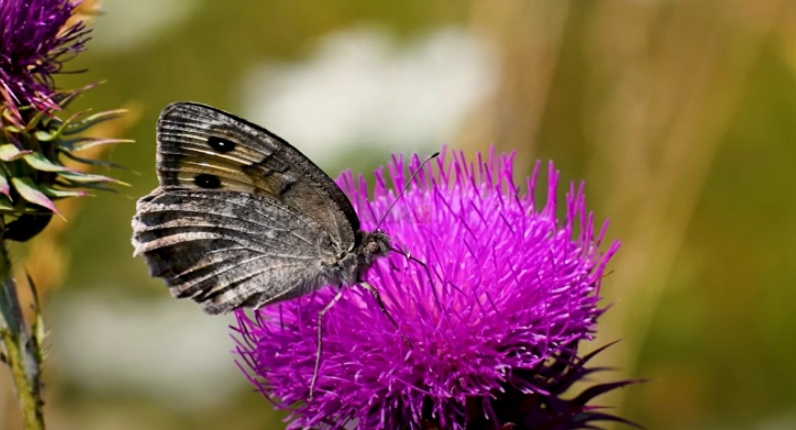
[493, 324]
[33, 44]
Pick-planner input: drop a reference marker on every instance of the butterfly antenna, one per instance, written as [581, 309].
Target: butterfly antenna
[406, 187]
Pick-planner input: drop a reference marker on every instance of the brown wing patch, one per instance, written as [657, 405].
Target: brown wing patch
[202, 147]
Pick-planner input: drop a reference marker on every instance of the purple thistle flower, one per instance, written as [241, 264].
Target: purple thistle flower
[33, 44]
[35, 38]
[494, 323]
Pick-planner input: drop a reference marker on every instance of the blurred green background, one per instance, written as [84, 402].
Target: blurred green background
[680, 115]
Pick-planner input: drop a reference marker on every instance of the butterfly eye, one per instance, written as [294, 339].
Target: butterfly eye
[374, 248]
[220, 145]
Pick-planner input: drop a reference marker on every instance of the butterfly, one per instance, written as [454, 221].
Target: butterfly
[243, 219]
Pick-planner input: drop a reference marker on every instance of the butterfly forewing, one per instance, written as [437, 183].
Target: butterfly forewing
[195, 139]
[241, 218]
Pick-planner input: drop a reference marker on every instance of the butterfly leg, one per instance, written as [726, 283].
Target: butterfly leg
[409, 257]
[320, 338]
[383, 309]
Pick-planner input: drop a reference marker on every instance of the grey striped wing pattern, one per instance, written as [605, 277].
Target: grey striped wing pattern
[241, 218]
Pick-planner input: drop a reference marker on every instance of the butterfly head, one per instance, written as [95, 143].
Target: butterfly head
[372, 246]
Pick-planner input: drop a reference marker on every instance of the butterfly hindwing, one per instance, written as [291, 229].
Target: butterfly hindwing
[225, 251]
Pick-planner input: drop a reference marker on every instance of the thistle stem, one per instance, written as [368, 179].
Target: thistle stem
[20, 348]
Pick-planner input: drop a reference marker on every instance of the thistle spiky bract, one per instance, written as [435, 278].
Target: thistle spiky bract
[36, 139]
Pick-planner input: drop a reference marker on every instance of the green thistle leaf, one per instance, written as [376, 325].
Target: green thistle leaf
[38, 161]
[86, 178]
[59, 194]
[84, 143]
[34, 121]
[48, 135]
[73, 127]
[91, 186]
[9, 152]
[91, 162]
[28, 190]
[5, 189]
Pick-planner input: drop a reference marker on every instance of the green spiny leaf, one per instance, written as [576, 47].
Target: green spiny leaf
[83, 144]
[38, 161]
[79, 126]
[6, 206]
[59, 194]
[5, 189]
[28, 190]
[9, 152]
[47, 136]
[92, 186]
[65, 97]
[86, 178]
[90, 162]
[34, 121]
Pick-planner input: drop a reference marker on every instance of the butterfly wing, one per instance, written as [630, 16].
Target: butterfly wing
[198, 140]
[241, 218]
